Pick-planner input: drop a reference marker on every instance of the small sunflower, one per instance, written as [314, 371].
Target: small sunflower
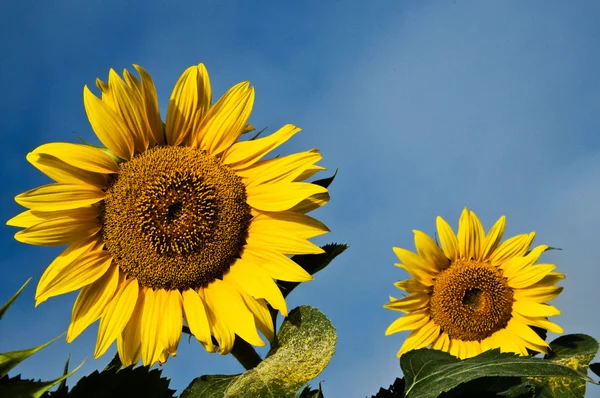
[474, 293]
[172, 222]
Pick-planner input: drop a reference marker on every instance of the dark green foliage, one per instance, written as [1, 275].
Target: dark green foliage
[396, 390]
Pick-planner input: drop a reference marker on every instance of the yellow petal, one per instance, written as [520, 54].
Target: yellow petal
[257, 283]
[171, 320]
[262, 316]
[540, 322]
[91, 302]
[298, 224]
[309, 172]
[228, 305]
[281, 196]
[411, 286]
[420, 338]
[448, 239]
[150, 334]
[442, 343]
[108, 126]
[25, 219]
[82, 271]
[525, 333]
[225, 121]
[84, 157]
[129, 342]
[64, 228]
[129, 106]
[539, 294]
[60, 196]
[479, 241]
[245, 153]
[197, 318]
[430, 251]
[281, 169]
[116, 315]
[60, 171]
[493, 238]
[189, 103]
[533, 309]
[412, 321]
[409, 303]
[277, 265]
[279, 240]
[516, 265]
[530, 275]
[152, 114]
[224, 335]
[312, 203]
[469, 239]
[516, 246]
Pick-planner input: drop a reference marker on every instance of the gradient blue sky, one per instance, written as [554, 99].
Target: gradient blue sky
[425, 107]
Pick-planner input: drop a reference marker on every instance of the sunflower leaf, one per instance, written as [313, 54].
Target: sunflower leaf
[12, 299]
[16, 387]
[575, 351]
[428, 373]
[595, 367]
[127, 382]
[9, 360]
[308, 392]
[313, 263]
[396, 390]
[303, 348]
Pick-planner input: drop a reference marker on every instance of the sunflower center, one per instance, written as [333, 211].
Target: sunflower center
[175, 218]
[471, 300]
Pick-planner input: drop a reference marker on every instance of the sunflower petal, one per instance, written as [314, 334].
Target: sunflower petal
[442, 343]
[262, 316]
[469, 240]
[83, 157]
[312, 203]
[516, 265]
[420, 338]
[448, 239]
[298, 224]
[91, 302]
[516, 246]
[171, 320]
[493, 237]
[116, 315]
[245, 153]
[60, 171]
[219, 328]
[229, 306]
[409, 303]
[430, 251]
[285, 168]
[281, 196]
[152, 113]
[25, 219]
[277, 265]
[60, 196]
[152, 346]
[530, 275]
[533, 309]
[412, 321]
[257, 283]
[538, 294]
[225, 121]
[108, 126]
[279, 240]
[64, 228]
[129, 342]
[197, 318]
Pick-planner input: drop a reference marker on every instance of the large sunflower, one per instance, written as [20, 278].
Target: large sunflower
[474, 293]
[172, 222]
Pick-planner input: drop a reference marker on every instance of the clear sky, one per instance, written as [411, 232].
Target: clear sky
[425, 107]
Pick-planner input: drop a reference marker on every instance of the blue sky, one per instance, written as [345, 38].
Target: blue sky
[425, 107]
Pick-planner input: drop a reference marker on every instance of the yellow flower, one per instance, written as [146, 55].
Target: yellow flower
[176, 221]
[474, 293]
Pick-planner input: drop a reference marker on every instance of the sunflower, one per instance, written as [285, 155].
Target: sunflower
[172, 222]
[474, 293]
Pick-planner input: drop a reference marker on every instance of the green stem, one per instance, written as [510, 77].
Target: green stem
[245, 354]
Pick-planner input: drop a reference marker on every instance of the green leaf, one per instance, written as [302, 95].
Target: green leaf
[12, 299]
[326, 182]
[62, 389]
[17, 388]
[396, 390]
[575, 351]
[126, 383]
[595, 367]
[308, 392]
[208, 386]
[313, 263]
[303, 348]
[9, 360]
[428, 373]
[483, 387]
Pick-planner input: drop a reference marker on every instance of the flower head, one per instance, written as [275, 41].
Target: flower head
[172, 222]
[474, 293]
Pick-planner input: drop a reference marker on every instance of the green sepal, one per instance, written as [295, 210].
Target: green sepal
[595, 367]
[428, 373]
[9, 360]
[12, 299]
[303, 348]
[313, 263]
[326, 182]
[17, 388]
[127, 382]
